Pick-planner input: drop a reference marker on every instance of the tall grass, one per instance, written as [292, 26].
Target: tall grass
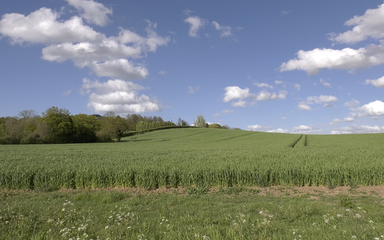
[196, 157]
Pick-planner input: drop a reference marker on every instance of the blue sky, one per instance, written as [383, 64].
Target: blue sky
[282, 66]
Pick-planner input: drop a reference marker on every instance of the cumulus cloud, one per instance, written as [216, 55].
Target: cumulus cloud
[265, 95]
[317, 100]
[305, 129]
[375, 108]
[351, 104]
[335, 121]
[321, 99]
[377, 83]
[73, 40]
[313, 61]
[328, 105]
[196, 23]
[258, 127]
[304, 106]
[358, 129]
[325, 83]
[118, 96]
[234, 92]
[239, 103]
[225, 31]
[92, 12]
[263, 85]
[297, 86]
[43, 26]
[301, 129]
[119, 68]
[371, 24]
[349, 119]
[277, 82]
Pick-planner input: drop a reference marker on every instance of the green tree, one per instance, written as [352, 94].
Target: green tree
[61, 127]
[113, 127]
[200, 121]
[214, 125]
[85, 128]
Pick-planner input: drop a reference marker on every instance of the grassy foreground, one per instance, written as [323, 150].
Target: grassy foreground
[197, 157]
[226, 214]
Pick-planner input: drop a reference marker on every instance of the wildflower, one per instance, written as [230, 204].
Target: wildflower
[370, 221]
[353, 236]
[358, 207]
[293, 233]
[326, 220]
[334, 227]
[339, 215]
[63, 209]
[129, 227]
[358, 215]
[347, 210]
[106, 227]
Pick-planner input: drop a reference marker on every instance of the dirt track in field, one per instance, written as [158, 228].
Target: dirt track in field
[313, 192]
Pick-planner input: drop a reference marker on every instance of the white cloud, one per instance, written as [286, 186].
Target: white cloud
[162, 72]
[42, 26]
[278, 82]
[302, 129]
[225, 31]
[234, 92]
[196, 24]
[315, 60]
[92, 12]
[119, 68]
[335, 121]
[321, 99]
[328, 105]
[258, 127]
[263, 85]
[351, 104]
[72, 40]
[304, 106]
[359, 129]
[85, 52]
[371, 24]
[227, 111]
[377, 83]
[239, 103]
[265, 95]
[349, 119]
[192, 90]
[118, 96]
[279, 130]
[305, 129]
[223, 112]
[297, 86]
[375, 108]
[325, 83]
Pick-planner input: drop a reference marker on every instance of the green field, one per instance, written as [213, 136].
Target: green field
[206, 184]
[197, 158]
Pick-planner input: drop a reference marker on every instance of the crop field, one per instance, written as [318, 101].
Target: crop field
[197, 158]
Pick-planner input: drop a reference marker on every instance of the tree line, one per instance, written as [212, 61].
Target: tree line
[57, 125]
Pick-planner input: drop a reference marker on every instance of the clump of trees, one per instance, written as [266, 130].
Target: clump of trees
[57, 125]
